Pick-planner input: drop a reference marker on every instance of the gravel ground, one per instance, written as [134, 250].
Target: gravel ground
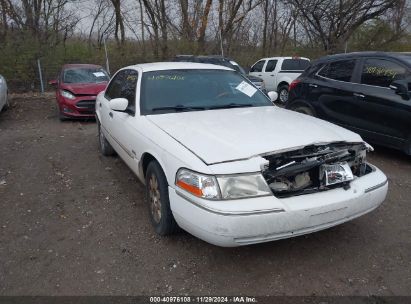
[75, 223]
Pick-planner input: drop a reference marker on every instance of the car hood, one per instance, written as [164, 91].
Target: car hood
[232, 134]
[84, 88]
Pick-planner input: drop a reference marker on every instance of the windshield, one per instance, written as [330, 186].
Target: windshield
[194, 90]
[85, 75]
[406, 57]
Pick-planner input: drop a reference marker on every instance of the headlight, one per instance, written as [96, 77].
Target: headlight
[197, 184]
[67, 94]
[222, 187]
[242, 186]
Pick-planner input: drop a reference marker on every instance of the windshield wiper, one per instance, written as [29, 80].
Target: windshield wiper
[232, 105]
[178, 108]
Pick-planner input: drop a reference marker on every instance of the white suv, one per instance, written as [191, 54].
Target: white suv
[279, 72]
[222, 162]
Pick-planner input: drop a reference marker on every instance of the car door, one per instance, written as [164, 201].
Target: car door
[106, 114]
[269, 76]
[122, 121]
[331, 89]
[257, 68]
[387, 116]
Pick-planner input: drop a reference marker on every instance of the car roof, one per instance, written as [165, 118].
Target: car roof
[396, 55]
[161, 66]
[289, 57]
[220, 57]
[80, 65]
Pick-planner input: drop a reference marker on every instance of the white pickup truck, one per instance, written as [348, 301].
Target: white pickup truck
[279, 72]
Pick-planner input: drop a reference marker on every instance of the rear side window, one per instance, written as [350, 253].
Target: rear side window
[381, 72]
[339, 70]
[258, 67]
[295, 64]
[271, 64]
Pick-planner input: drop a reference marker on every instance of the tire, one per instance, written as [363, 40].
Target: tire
[407, 148]
[303, 109]
[158, 201]
[105, 148]
[282, 94]
[62, 117]
[7, 104]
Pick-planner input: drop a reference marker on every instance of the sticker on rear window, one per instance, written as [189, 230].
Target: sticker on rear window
[99, 74]
[246, 88]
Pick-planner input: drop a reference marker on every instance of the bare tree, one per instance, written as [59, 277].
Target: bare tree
[119, 22]
[333, 22]
[231, 15]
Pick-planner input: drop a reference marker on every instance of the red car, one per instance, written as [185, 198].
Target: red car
[76, 89]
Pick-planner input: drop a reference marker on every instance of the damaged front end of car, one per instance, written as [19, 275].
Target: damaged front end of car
[315, 168]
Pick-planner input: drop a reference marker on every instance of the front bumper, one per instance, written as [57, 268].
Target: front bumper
[257, 220]
[80, 107]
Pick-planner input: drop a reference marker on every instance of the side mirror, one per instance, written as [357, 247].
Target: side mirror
[400, 87]
[273, 95]
[118, 104]
[53, 82]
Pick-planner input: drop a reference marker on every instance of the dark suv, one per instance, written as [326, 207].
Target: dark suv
[367, 92]
[224, 61]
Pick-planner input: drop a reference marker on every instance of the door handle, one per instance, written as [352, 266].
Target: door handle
[259, 75]
[99, 104]
[359, 95]
[110, 114]
[313, 85]
[272, 75]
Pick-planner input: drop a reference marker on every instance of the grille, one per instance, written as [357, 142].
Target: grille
[86, 105]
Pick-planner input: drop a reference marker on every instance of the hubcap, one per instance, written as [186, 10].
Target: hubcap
[283, 96]
[155, 199]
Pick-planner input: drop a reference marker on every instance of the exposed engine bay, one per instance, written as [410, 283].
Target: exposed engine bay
[315, 168]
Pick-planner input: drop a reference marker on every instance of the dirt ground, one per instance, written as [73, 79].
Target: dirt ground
[73, 222]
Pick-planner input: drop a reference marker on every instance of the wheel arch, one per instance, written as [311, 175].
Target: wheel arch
[145, 160]
[300, 102]
[282, 83]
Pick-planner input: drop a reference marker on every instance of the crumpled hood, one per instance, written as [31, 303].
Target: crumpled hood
[84, 88]
[232, 134]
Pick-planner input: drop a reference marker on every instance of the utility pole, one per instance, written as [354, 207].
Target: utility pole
[40, 76]
[107, 62]
[221, 43]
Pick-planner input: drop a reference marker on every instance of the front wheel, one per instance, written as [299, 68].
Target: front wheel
[105, 147]
[283, 94]
[158, 201]
[7, 104]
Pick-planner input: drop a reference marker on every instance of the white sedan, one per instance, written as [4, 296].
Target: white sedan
[4, 102]
[222, 162]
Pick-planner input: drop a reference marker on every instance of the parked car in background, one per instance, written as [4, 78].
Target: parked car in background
[222, 162]
[77, 86]
[279, 72]
[367, 92]
[4, 101]
[224, 61]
